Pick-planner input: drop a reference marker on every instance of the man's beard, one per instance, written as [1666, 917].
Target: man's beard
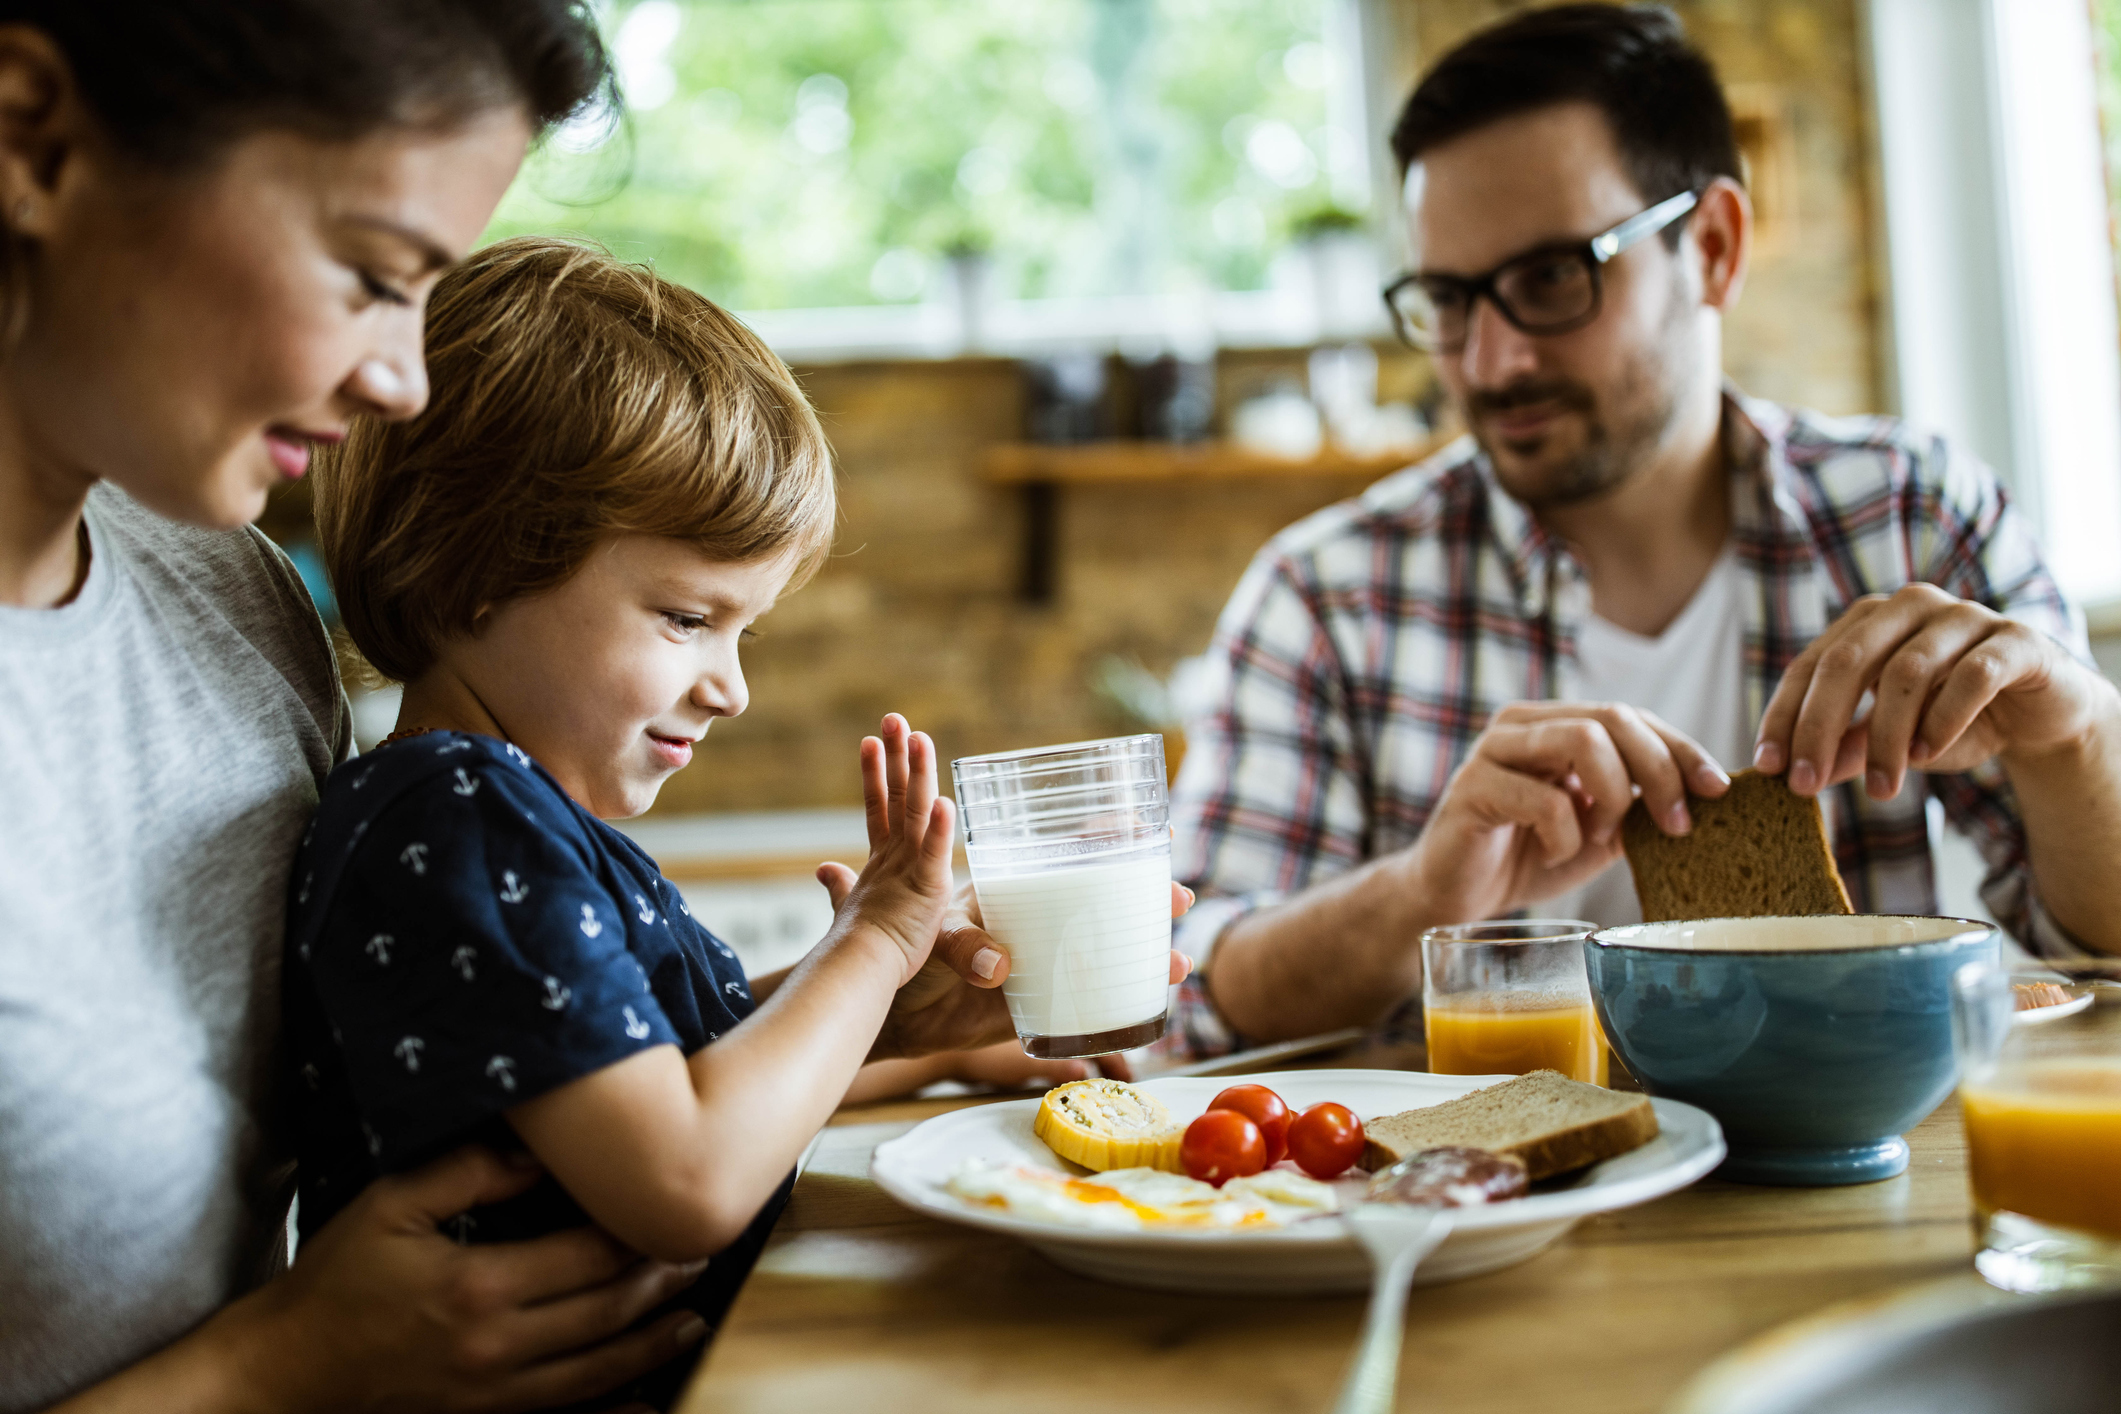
[1638, 408]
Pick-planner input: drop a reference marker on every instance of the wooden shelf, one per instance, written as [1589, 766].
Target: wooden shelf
[1024, 463]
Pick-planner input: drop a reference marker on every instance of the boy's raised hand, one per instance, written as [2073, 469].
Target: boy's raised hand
[905, 887]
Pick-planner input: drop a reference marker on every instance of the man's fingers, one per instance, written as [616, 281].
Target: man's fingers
[838, 880]
[1506, 797]
[1845, 662]
[1181, 967]
[603, 1367]
[1553, 749]
[1652, 765]
[1996, 663]
[972, 954]
[1907, 682]
[1115, 1066]
[465, 1178]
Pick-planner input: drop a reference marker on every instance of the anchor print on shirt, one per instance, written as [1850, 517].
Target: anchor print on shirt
[461, 1227]
[408, 1050]
[414, 857]
[522, 757]
[462, 959]
[513, 890]
[458, 744]
[303, 895]
[467, 783]
[646, 914]
[635, 1027]
[379, 948]
[589, 925]
[503, 1069]
[556, 996]
[310, 1076]
[361, 777]
[734, 989]
[375, 1141]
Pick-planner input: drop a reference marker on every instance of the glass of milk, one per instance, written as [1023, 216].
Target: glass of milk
[1070, 848]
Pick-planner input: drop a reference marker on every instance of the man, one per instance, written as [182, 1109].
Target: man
[1437, 701]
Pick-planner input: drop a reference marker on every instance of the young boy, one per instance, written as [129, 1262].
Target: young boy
[558, 560]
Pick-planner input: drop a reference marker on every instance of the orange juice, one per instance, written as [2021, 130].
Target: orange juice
[2043, 1139]
[1501, 1033]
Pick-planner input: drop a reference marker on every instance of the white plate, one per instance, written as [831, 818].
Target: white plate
[1316, 1255]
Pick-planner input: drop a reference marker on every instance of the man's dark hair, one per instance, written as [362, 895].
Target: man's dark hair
[1659, 93]
[174, 81]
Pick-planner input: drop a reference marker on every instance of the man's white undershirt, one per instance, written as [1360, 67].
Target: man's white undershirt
[1692, 676]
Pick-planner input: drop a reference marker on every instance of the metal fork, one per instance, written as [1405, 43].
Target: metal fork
[1397, 1238]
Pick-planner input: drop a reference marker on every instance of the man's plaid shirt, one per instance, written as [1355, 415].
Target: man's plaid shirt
[1368, 645]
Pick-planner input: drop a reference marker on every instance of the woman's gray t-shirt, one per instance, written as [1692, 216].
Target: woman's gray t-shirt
[162, 740]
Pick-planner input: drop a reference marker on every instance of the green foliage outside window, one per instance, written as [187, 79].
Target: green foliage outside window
[784, 154]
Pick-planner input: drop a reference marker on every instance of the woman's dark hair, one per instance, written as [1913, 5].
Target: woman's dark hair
[1659, 93]
[173, 81]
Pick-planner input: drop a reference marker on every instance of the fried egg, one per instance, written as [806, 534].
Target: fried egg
[1128, 1200]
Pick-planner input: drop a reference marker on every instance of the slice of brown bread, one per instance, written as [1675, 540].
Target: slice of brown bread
[1551, 1123]
[1760, 851]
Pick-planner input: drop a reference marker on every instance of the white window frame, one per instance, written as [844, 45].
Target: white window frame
[2001, 270]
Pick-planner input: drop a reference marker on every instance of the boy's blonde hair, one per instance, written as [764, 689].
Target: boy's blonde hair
[576, 397]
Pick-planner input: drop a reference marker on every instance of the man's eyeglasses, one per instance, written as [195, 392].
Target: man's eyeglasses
[1547, 291]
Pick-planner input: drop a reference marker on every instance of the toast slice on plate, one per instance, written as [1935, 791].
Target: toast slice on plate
[1760, 851]
[1549, 1122]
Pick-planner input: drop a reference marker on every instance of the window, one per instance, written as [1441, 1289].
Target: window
[918, 173]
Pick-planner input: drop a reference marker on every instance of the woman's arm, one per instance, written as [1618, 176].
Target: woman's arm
[675, 1156]
[383, 1310]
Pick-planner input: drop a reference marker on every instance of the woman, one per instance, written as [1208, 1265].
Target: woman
[221, 223]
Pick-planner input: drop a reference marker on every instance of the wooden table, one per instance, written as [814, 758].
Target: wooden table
[859, 1305]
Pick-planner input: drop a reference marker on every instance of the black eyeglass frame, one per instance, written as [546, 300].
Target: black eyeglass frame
[1594, 252]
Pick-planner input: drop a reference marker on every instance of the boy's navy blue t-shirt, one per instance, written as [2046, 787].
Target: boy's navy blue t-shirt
[464, 937]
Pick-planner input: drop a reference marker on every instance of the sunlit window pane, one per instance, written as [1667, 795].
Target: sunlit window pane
[786, 154]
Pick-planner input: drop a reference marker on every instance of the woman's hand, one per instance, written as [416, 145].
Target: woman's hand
[383, 1311]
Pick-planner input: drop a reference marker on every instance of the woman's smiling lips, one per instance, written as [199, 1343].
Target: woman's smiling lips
[676, 751]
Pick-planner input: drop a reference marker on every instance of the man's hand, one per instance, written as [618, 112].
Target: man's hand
[1535, 808]
[1953, 685]
[383, 1311]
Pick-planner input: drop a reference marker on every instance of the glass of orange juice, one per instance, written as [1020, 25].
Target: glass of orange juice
[2040, 1090]
[1505, 998]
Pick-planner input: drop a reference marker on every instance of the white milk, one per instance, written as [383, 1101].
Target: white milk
[1088, 943]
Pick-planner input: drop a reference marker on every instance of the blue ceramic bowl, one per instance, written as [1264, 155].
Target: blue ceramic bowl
[1814, 1041]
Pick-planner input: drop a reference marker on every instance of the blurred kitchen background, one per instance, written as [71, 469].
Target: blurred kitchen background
[1085, 292]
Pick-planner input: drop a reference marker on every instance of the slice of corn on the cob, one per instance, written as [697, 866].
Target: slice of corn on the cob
[1108, 1124]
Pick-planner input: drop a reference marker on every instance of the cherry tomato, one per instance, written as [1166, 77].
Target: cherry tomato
[1325, 1139]
[1222, 1145]
[1265, 1109]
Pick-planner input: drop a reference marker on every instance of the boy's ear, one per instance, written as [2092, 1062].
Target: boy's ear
[479, 617]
